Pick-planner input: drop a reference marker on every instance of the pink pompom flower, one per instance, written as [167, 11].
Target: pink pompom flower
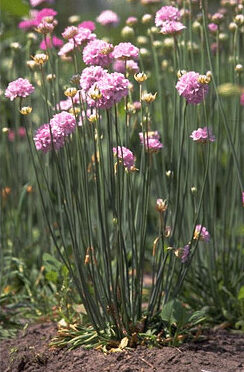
[125, 51]
[152, 144]
[203, 135]
[149, 135]
[50, 43]
[19, 88]
[191, 88]
[167, 13]
[108, 18]
[70, 32]
[48, 137]
[36, 18]
[65, 121]
[126, 156]
[131, 66]
[98, 52]
[91, 75]
[172, 28]
[87, 24]
[111, 87]
[213, 28]
[201, 233]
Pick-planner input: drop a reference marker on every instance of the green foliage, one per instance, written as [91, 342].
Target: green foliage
[15, 7]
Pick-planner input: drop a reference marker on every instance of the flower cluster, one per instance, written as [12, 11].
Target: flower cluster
[131, 66]
[19, 88]
[126, 156]
[53, 135]
[51, 42]
[82, 36]
[110, 89]
[98, 52]
[191, 88]
[203, 135]
[168, 19]
[125, 51]
[37, 17]
[91, 75]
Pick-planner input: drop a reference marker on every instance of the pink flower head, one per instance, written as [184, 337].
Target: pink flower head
[27, 24]
[88, 24]
[11, 135]
[137, 105]
[108, 18]
[167, 13]
[126, 156]
[185, 253]
[201, 233]
[50, 43]
[131, 66]
[66, 49]
[112, 87]
[65, 121]
[19, 88]
[131, 21]
[91, 75]
[45, 141]
[64, 105]
[35, 3]
[213, 28]
[125, 51]
[98, 52]
[84, 35]
[152, 144]
[22, 132]
[242, 99]
[149, 135]
[70, 32]
[191, 89]
[172, 28]
[203, 135]
[45, 12]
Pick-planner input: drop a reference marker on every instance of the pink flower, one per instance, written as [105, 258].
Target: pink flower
[112, 87]
[125, 51]
[88, 24]
[131, 21]
[149, 135]
[242, 99]
[201, 233]
[84, 35]
[11, 135]
[36, 18]
[64, 105]
[66, 49]
[137, 105]
[45, 12]
[152, 144]
[167, 13]
[35, 3]
[91, 75]
[70, 32]
[126, 156]
[98, 52]
[131, 66]
[185, 253]
[203, 135]
[56, 42]
[108, 18]
[19, 88]
[65, 121]
[44, 141]
[22, 132]
[191, 89]
[172, 28]
[213, 27]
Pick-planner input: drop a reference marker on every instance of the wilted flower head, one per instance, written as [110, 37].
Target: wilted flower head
[112, 87]
[191, 89]
[98, 52]
[161, 205]
[125, 51]
[126, 156]
[201, 233]
[19, 88]
[108, 18]
[203, 135]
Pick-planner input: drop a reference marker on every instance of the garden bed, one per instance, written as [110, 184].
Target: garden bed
[219, 351]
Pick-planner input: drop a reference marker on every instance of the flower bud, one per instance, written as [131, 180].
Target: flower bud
[239, 19]
[127, 32]
[15, 45]
[146, 18]
[239, 68]
[232, 26]
[144, 52]
[51, 77]
[142, 40]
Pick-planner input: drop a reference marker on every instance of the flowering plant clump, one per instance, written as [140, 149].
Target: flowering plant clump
[19, 88]
[191, 89]
[203, 135]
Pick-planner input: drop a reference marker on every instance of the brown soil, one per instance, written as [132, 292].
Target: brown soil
[221, 351]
